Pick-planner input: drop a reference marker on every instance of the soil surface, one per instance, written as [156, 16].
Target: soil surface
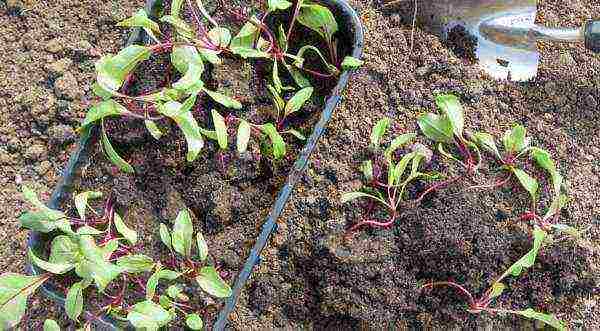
[309, 275]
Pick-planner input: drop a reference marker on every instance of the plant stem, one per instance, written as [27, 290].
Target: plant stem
[294, 17]
[437, 186]
[456, 286]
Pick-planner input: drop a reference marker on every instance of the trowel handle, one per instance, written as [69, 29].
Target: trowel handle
[592, 36]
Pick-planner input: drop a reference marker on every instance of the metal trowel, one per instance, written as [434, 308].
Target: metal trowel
[503, 32]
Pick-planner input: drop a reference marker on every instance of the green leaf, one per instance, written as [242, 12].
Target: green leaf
[319, 19]
[367, 170]
[182, 233]
[398, 142]
[224, 100]
[299, 62]
[51, 325]
[174, 291]
[249, 53]
[210, 56]
[176, 7]
[451, 108]
[275, 5]
[109, 248]
[114, 157]
[220, 129]
[124, 230]
[32, 198]
[64, 250]
[88, 230]
[57, 268]
[194, 322]
[246, 37]
[220, 37]
[102, 110]
[182, 115]
[282, 38]
[93, 265]
[153, 281]
[154, 130]
[210, 281]
[400, 168]
[74, 301]
[181, 27]
[14, 291]
[136, 263]
[496, 290]
[148, 315]
[351, 63]
[141, 19]
[529, 259]
[298, 76]
[243, 136]
[276, 139]
[487, 142]
[346, 197]
[202, 246]
[81, 201]
[112, 70]
[40, 222]
[296, 134]
[188, 62]
[379, 131]
[549, 319]
[298, 100]
[529, 183]
[437, 128]
[165, 236]
[514, 140]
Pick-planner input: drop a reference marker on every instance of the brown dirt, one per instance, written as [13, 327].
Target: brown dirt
[308, 276]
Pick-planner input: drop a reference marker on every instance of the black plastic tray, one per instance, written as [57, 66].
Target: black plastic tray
[351, 27]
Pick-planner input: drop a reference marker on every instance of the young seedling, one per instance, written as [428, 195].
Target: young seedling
[191, 47]
[98, 248]
[388, 180]
[482, 304]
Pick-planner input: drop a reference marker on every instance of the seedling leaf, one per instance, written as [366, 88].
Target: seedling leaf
[497, 289]
[57, 268]
[350, 62]
[202, 246]
[529, 259]
[398, 142]
[156, 276]
[487, 142]
[514, 140]
[220, 36]
[243, 136]
[223, 99]
[549, 319]
[278, 143]
[165, 236]
[154, 130]
[64, 249]
[188, 61]
[529, 183]
[210, 281]
[437, 128]
[32, 198]
[14, 291]
[367, 170]
[249, 53]
[148, 315]
[74, 301]
[51, 325]
[379, 131]
[182, 115]
[452, 109]
[347, 197]
[115, 158]
[194, 322]
[298, 100]
[141, 19]
[136, 263]
[81, 201]
[220, 129]
[319, 19]
[102, 110]
[275, 5]
[182, 233]
[112, 70]
[246, 37]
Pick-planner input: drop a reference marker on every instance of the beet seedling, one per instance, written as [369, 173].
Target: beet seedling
[194, 45]
[482, 304]
[100, 249]
[387, 180]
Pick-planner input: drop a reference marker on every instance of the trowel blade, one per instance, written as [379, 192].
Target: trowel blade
[501, 60]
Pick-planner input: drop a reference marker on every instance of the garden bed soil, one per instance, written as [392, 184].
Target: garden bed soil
[310, 277]
[229, 195]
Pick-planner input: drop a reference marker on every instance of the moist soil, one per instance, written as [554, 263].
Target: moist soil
[312, 275]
